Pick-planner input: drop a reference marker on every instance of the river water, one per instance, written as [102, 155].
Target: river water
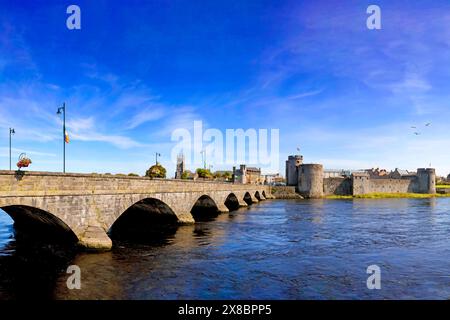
[280, 249]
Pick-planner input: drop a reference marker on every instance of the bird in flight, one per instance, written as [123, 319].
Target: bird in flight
[413, 127]
[428, 124]
[417, 133]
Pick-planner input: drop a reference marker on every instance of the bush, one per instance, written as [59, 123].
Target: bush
[185, 175]
[133, 175]
[204, 173]
[156, 171]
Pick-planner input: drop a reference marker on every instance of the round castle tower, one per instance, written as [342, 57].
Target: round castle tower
[310, 180]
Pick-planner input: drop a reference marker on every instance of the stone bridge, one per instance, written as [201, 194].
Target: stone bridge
[85, 207]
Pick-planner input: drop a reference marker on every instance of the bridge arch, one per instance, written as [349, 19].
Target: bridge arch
[232, 202]
[38, 223]
[205, 208]
[248, 198]
[258, 196]
[143, 220]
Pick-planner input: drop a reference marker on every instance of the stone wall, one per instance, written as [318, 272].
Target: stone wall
[337, 186]
[364, 185]
[393, 186]
[285, 192]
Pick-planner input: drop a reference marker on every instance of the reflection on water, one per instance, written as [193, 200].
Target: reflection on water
[318, 249]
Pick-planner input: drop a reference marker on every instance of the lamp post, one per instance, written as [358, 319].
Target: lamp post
[62, 110]
[11, 133]
[203, 152]
[157, 155]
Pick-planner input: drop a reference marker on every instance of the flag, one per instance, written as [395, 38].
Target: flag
[66, 137]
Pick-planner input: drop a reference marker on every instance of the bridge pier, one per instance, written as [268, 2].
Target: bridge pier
[95, 238]
[242, 203]
[185, 218]
[222, 208]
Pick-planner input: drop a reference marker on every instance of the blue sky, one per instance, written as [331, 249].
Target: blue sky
[346, 95]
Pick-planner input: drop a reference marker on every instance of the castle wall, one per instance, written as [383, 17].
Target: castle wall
[337, 186]
[393, 185]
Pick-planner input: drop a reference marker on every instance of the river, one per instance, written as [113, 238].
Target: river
[279, 249]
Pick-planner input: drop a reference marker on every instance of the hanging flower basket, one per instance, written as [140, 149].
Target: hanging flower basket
[24, 161]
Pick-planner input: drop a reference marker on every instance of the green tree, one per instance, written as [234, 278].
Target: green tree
[186, 174]
[227, 175]
[156, 171]
[204, 173]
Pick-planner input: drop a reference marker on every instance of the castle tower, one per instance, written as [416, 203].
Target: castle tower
[243, 169]
[292, 165]
[310, 180]
[426, 180]
[360, 183]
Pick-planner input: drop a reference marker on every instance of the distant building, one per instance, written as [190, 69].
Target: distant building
[448, 178]
[274, 179]
[334, 173]
[398, 174]
[180, 166]
[377, 173]
[247, 175]
[292, 164]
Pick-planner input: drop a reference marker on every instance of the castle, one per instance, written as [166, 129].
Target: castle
[311, 181]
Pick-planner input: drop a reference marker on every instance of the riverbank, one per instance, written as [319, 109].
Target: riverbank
[390, 196]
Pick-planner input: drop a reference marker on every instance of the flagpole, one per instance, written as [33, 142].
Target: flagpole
[11, 132]
[58, 112]
[64, 137]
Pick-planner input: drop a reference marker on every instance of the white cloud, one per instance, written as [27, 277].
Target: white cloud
[150, 113]
[116, 140]
[4, 152]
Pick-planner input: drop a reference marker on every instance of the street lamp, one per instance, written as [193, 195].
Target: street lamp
[11, 133]
[203, 152]
[62, 110]
[157, 155]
